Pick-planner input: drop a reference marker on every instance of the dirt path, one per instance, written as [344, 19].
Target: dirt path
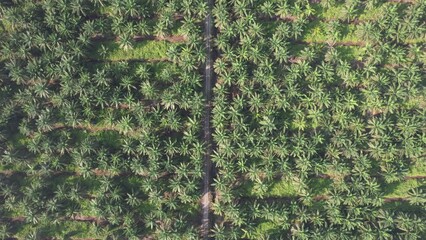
[207, 196]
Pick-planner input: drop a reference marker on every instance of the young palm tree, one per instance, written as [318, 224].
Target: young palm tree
[126, 41]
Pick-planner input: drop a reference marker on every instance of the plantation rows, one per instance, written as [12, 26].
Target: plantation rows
[94, 146]
[317, 132]
[316, 122]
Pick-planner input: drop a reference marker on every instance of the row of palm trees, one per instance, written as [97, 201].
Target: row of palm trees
[317, 111]
[311, 224]
[399, 23]
[116, 144]
[282, 108]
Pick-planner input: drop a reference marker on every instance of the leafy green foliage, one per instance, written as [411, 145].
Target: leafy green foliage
[96, 141]
[311, 92]
[318, 119]
[144, 50]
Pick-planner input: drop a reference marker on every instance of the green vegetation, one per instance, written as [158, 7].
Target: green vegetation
[339, 11]
[317, 119]
[281, 188]
[99, 138]
[402, 189]
[145, 50]
[265, 229]
[67, 229]
[329, 95]
[418, 169]
[318, 31]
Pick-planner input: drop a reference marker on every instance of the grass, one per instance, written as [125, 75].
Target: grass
[280, 188]
[156, 70]
[418, 169]
[333, 12]
[374, 13]
[175, 28]
[5, 25]
[418, 40]
[62, 230]
[350, 53]
[338, 11]
[316, 31]
[264, 230]
[418, 101]
[401, 189]
[289, 188]
[283, 188]
[86, 208]
[318, 185]
[147, 50]
[286, 188]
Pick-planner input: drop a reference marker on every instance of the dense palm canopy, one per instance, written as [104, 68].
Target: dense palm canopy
[309, 137]
[96, 140]
[318, 119]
